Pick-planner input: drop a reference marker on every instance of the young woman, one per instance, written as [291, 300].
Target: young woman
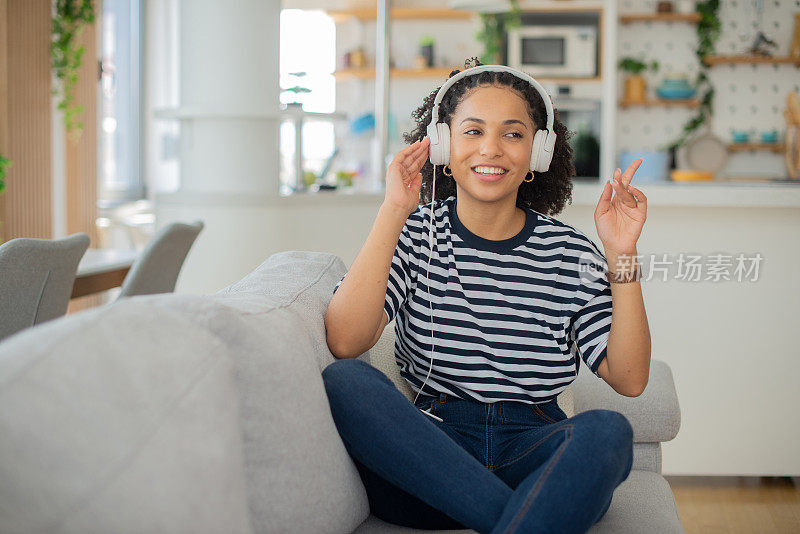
[494, 314]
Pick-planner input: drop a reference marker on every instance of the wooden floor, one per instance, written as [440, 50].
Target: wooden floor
[734, 505]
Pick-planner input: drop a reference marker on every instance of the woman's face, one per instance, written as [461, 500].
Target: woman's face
[490, 132]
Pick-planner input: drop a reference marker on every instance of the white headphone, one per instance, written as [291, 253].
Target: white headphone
[439, 133]
[543, 141]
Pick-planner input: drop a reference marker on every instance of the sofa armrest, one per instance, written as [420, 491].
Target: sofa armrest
[655, 414]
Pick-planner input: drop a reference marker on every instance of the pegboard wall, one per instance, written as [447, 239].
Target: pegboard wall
[748, 97]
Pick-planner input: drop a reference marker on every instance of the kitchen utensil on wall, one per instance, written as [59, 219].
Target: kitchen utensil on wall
[794, 51]
[792, 115]
[705, 152]
[761, 45]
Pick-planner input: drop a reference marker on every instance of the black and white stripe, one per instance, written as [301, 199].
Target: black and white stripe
[510, 317]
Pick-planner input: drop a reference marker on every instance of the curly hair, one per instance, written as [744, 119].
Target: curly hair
[549, 191]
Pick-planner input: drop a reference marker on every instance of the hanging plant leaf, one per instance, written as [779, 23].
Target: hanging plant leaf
[495, 26]
[5, 163]
[69, 20]
[708, 31]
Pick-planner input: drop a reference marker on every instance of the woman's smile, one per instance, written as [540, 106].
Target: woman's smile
[489, 173]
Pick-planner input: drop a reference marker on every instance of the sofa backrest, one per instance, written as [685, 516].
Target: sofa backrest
[180, 413]
[119, 418]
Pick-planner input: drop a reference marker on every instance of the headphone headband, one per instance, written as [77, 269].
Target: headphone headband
[548, 104]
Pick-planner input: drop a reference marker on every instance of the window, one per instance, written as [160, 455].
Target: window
[120, 177]
[307, 63]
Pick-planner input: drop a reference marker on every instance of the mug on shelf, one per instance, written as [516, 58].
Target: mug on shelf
[740, 136]
[769, 136]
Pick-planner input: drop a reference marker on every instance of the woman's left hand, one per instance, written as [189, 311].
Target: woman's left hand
[619, 220]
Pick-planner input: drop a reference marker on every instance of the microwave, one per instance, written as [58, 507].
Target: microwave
[558, 51]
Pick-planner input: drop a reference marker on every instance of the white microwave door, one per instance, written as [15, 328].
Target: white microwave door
[549, 52]
[553, 51]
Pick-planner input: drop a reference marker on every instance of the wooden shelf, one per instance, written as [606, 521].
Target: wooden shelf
[400, 13]
[689, 103]
[369, 73]
[744, 147]
[746, 59]
[691, 18]
[436, 72]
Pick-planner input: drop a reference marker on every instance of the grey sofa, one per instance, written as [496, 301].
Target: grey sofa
[207, 413]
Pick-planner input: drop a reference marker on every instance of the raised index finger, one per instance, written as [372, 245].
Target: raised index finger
[629, 172]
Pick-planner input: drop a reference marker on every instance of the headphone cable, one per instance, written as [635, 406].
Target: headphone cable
[428, 274]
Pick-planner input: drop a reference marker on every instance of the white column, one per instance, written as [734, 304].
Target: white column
[608, 106]
[229, 95]
[229, 137]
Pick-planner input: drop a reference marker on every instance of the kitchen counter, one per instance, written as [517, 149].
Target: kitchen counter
[779, 194]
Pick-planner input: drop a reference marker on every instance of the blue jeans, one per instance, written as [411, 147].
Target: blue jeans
[499, 468]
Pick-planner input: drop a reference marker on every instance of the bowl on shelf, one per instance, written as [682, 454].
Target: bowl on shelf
[675, 86]
[675, 93]
[681, 175]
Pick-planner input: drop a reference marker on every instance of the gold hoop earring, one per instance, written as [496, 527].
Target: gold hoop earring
[526, 177]
[445, 169]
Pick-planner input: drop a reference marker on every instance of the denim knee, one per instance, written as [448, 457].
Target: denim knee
[612, 430]
[341, 373]
[620, 437]
[354, 378]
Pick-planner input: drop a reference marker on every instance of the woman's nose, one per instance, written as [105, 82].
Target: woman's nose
[490, 147]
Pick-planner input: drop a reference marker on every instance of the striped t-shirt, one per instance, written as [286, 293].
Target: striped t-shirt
[510, 317]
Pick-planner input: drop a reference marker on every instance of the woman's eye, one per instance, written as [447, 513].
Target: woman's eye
[518, 135]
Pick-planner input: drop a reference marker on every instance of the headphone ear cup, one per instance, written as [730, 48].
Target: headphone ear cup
[444, 142]
[542, 152]
[439, 134]
[538, 143]
[434, 154]
[547, 151]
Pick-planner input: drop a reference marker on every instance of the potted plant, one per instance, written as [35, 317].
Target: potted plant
[635, 84]
[426, 50]
[493, 32]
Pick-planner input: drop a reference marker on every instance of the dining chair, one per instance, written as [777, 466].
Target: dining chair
[157, 268]
[36, 278]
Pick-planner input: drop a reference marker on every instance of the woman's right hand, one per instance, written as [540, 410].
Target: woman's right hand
[403, 177]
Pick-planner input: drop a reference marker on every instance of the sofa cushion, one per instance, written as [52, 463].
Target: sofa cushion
[642, 503]
[298, 282]
[300, 477]
[119, 419]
